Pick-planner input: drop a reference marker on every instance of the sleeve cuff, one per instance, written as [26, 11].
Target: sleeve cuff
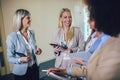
[19, 61]
[68, 70]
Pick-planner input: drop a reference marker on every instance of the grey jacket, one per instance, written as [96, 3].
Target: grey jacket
[16, 43]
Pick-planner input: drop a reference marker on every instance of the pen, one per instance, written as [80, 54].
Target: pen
[55, 70]
[44, 70]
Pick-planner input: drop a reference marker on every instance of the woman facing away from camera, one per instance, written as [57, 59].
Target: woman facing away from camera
[22, 48]
[105, 63]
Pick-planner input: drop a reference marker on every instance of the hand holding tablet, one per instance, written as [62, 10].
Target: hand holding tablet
[62, 46]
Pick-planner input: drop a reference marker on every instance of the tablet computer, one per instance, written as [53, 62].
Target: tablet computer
[62, 46]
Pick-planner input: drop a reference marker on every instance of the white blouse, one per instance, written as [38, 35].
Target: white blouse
[29, 48]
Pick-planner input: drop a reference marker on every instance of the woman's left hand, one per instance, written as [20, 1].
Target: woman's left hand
[38, 51]
[68, 50]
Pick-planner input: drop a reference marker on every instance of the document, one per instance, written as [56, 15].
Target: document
[57, 76]
[51, 74]
[82, 55]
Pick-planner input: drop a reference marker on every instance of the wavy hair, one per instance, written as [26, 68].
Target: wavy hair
[70, 33]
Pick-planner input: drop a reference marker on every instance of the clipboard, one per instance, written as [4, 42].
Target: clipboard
[82, 55]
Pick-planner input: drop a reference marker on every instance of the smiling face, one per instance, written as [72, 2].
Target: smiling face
[26, 22]
[66, 19]
[92, 24]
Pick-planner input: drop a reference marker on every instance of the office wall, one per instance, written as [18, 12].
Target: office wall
[44, 15]
[3, 58]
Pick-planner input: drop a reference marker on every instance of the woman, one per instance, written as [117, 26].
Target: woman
[96, 39]
[92, 44]
[21, 48]
[68, 36]
[105, 63]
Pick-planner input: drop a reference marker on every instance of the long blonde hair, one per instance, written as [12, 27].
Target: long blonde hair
[70, 33]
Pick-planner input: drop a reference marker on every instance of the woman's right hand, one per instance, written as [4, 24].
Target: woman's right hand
[52, 70]
[58, 71]
[78, 60]
[57, 49]
[25, 59]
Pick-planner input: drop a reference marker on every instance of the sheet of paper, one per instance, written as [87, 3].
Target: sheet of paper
[82, 55]
[58, 77]
[51, 74]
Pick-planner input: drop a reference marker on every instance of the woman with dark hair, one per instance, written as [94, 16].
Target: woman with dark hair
[105, 63]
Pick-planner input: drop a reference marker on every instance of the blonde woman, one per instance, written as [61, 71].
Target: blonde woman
[105, 63]
[68, 37]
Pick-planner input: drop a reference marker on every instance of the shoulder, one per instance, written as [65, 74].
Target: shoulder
[57, 30]
[11, 37]
[76, 29]
[31, 31]
[13, 34]
[105, 37]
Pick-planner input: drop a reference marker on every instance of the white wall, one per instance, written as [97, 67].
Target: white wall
[44, 19]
